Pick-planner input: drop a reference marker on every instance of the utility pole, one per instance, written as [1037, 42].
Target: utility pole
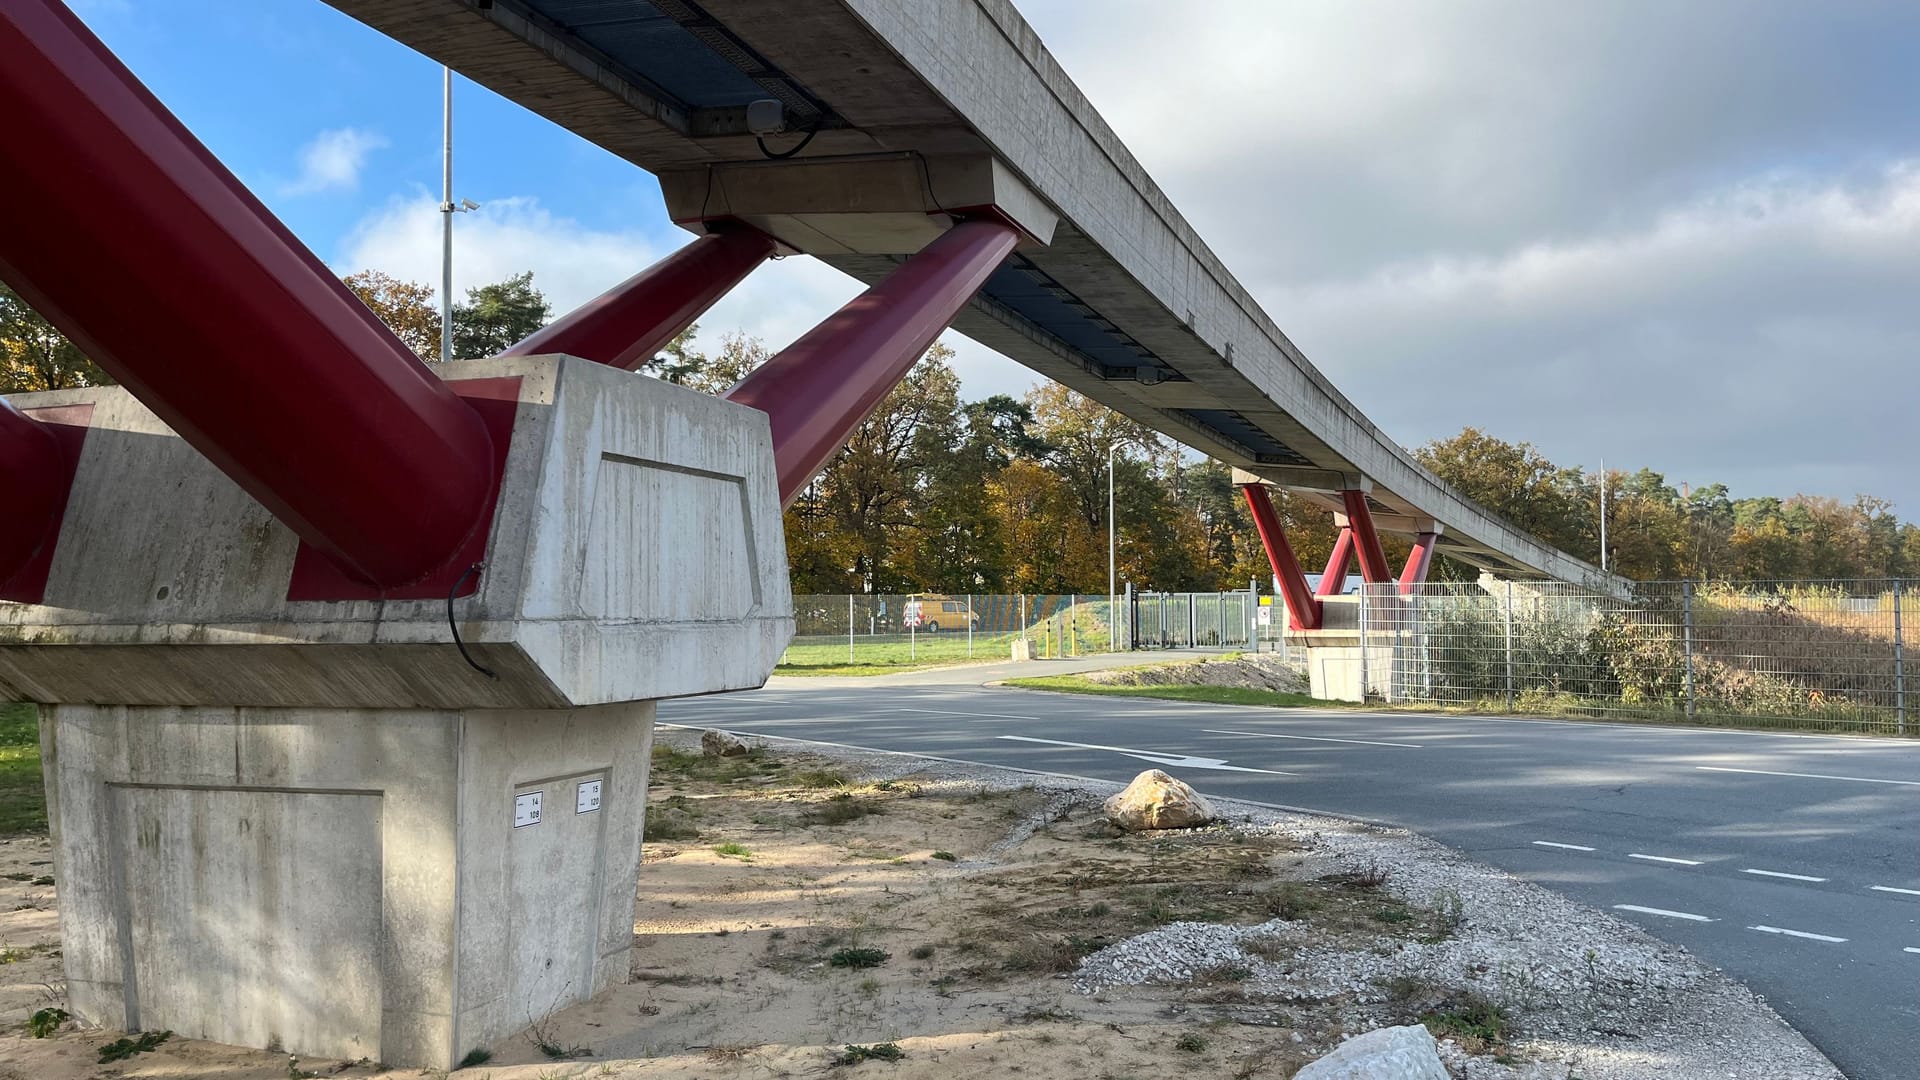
[446, 214]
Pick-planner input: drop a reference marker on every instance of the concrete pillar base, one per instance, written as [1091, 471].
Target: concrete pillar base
[401, 885]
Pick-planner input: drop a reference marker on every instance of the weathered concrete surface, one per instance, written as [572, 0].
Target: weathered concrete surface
[963, 77]
[307, 825]
[342, 882]
[637, 553]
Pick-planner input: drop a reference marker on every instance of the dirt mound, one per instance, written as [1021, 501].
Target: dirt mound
[1245, 671]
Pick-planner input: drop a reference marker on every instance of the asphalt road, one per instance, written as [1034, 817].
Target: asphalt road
[1792, 862]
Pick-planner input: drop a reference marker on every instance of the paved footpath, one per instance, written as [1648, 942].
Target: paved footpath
[1790, 861]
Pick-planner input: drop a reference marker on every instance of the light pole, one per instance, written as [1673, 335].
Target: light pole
[1112, 600]
[447, 210]
[1603, 515]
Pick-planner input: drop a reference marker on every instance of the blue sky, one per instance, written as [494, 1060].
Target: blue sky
[1683, 236]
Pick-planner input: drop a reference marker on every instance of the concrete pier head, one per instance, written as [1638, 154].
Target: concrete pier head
[313, 824]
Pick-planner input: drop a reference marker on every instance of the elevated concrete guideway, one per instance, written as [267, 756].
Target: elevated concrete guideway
[1123, 302]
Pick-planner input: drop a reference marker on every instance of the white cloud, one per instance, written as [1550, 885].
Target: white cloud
[573, 263]
[333, 161]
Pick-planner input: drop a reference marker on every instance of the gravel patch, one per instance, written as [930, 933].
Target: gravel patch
[1248, 671]
[1592, 997]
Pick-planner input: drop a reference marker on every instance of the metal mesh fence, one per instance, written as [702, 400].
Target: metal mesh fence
[1820, 656]
[1217, 620]
[886, 630]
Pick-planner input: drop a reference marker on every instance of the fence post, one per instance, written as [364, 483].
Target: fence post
[1508, 617]
[1686, 608]
[1073, 623]
[1899, 667]
[913, 639]
[972, 614]
[849, 628]
[1363, 643]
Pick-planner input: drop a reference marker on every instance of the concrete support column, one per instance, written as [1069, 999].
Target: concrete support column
[321, 826]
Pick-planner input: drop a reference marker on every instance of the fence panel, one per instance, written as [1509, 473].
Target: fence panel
[1809, 655]
[889, 629]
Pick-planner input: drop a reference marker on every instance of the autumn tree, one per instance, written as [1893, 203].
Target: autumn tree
[405, 306]
[35, 356]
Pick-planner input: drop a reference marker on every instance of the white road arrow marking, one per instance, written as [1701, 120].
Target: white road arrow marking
[1178, 761]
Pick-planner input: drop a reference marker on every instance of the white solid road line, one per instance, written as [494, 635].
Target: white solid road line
[1798, 934]
[1312, 738]
[1663, 858]
[1569, 847]
[1891, 889]
[1809, 776]
[956, 712]
[1689, 916]
[1778, 874]
[1179, 761]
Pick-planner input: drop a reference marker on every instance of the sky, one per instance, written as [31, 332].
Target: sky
[1678, 236]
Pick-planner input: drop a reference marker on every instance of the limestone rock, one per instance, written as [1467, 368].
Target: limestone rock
[1395, 1053]
[1157, 801]
[721, 744]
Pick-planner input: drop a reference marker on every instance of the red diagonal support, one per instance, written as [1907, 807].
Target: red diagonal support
[35, 485]
[130, 236]
[818, 389]
[1366, 542]
[1303, 607]
[1333, 581]
[1418, 559]
[630, 323]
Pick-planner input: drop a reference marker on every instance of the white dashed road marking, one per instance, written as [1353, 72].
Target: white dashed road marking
[1569, 847]
[1314, 738]
[1778, 874]
[1889, 888]
[1156, 757]
[1663, 858]
[1797, 933]
[1810, 776]
[956, 712]
[1663, 911]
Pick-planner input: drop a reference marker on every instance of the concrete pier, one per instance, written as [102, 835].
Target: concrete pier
[314, 824]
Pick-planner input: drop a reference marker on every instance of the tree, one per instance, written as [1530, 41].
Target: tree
[498, 315]
[35, 356]
[405, 306]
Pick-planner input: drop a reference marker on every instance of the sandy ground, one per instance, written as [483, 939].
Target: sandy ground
[795, 911]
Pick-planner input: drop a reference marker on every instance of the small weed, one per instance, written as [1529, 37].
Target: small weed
[869, 986]
[854, 1055]
[44, 879]
[820, 778]
[946, 856]
[734, 850]
[1290, 902]
[666, 824]
[859, 958]
[1098, 910]
[1221, 973]
[123, 1048]
[1370, 876]
[838, 810]
[17, 877]
[45, 1022]
[730, 1052]
[1041, 957]
[1393, 916]
[921, 952]
[1266, 947]
[1191, 1043]
[1449, 913]
[1470, 1016]
[479, 1055]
